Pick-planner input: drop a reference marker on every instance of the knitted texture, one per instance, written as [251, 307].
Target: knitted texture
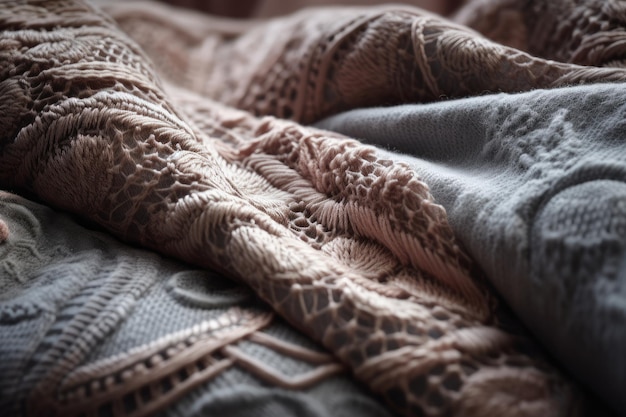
[322, 61]
[583, 32]
[89, 324]
[347, 246]
[533, 185]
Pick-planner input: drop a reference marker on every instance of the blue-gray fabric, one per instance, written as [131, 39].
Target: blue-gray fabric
[535, 187]
[52, 270]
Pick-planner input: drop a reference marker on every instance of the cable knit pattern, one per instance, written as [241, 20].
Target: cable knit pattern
[347, 246]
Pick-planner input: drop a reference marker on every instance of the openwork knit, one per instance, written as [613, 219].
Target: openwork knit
[348, 247]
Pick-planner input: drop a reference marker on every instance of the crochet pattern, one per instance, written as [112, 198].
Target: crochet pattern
[347, 246]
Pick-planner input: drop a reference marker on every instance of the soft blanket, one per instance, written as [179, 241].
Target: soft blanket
[88, 317]
[533, 185]
[347, 245]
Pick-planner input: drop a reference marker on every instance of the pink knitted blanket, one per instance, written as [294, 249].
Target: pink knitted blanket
[171, 130]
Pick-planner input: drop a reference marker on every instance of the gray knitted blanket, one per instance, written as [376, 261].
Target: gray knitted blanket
[83, 315]
[170, 131]
[534, 186]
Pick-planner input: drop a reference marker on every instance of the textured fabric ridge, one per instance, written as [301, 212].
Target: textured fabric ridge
[316, 62]
[346, 245]
[590, 32]
[534, 185]
[99, 326]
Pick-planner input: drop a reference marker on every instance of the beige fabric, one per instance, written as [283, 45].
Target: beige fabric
[335, 59]
[348, 247]
[591, 32]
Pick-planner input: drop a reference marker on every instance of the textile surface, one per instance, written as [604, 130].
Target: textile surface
[534, 186]
[87, 313]
[272, 8]
[157, 137]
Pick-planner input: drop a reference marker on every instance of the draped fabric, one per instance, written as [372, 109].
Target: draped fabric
[187, 135]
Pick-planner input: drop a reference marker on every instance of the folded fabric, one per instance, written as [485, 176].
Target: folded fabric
[590, 32]
[321, 61]
[91, 325]
[346, 245]
[534, 185]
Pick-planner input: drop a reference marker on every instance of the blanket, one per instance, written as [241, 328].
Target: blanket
[135, 333]
[533, 185]
[142, 138]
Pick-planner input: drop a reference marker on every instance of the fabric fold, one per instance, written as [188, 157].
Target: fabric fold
[533, 185]
[321, 61]
[348, 246]
[90, 325]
